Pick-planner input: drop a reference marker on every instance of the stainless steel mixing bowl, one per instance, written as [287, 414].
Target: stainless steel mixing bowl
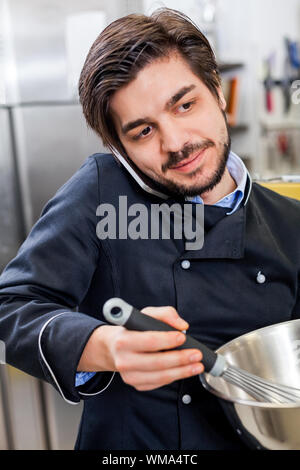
[272, 353]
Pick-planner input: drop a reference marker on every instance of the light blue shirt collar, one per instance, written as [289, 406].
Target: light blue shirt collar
[239, 173]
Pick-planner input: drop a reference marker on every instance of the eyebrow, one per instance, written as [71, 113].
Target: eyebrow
[145, 120]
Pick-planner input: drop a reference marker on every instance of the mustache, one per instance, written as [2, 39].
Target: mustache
[189, 149]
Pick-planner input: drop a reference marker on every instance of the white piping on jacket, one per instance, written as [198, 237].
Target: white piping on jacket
[44, 359]
[51, 372]
[97, 393]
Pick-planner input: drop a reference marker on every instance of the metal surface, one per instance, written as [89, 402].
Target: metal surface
[10, 215]
[52, 142]
[24, 413]
[6, 435]
[62, 418]
[260, 389]
[274, 354]
[35, 39]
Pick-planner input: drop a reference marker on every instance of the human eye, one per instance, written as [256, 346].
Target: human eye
[183, 108]
[144, 133]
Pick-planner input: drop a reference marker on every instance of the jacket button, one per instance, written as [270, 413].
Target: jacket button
[185, 264]
[186, 399]
[260, 278]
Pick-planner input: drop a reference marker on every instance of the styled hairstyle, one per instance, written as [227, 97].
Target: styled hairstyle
[124, 48]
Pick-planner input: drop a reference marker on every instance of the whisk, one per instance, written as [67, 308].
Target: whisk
[118, 312]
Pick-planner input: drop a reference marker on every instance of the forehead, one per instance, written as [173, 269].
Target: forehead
[153, 86]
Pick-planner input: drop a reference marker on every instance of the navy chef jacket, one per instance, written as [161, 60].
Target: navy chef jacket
[52, 293]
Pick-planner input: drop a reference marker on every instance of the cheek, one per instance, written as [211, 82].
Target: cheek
[146, 156]
[208, 124]
[215, 125]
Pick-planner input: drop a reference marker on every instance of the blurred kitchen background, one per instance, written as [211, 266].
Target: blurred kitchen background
[44, 138]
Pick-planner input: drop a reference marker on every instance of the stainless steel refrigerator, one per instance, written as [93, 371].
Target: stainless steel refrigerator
[43, 141]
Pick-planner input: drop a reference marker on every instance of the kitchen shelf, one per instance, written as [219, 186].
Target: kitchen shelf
[228, 67]
[238, 128]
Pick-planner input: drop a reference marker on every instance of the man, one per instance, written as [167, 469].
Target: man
[150, 88]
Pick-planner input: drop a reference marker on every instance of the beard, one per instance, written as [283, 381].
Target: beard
[197, 188]
[185, 190]
[175, 189]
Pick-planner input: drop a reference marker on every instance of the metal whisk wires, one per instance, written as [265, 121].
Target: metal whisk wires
[260, 389]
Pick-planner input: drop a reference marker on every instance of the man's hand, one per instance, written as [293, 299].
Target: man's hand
[143, 358]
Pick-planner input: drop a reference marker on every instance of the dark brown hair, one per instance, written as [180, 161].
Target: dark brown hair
[124, 48]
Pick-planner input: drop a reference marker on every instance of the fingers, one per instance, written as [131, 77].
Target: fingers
[148, 360]
[157, 361]
[156, 341]
[153, 380]
[148, 341]
[168, 315]
[148, 371]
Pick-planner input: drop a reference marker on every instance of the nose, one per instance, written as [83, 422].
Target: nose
[173, 136]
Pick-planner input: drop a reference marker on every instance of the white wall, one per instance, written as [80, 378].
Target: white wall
[249, 31]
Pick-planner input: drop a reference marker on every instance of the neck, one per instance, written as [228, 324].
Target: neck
[226, 186]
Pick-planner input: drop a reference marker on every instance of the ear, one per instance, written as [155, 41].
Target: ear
[222, 100]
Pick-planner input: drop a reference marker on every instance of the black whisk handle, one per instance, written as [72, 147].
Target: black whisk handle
[118, 312]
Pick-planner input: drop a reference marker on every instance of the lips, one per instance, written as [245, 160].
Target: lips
[188, 163]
